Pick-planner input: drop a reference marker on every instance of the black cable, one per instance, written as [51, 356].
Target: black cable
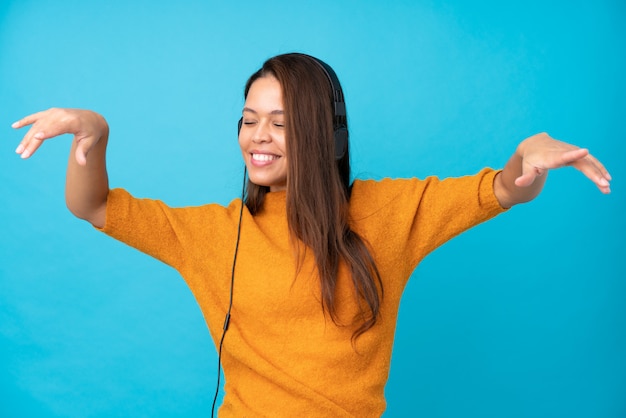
[230, 303]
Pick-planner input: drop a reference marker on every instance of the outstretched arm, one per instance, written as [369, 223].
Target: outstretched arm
[87, 184]
[524, 175]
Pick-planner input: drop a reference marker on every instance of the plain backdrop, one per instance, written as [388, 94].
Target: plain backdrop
[523, 316]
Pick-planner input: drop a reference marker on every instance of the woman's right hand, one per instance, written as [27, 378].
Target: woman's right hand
[87, 127]
[86, 185]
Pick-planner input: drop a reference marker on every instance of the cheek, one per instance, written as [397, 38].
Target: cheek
[281, 143]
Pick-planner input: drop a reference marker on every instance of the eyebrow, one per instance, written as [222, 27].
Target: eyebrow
[273, 112]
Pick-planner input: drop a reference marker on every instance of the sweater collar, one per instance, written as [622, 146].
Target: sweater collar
[275, 202]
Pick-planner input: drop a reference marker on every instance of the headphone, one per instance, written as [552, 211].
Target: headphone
[340, 120]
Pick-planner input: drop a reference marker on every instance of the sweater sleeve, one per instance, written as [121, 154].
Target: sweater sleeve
[144, 224]
[406, 219]
[451, 206]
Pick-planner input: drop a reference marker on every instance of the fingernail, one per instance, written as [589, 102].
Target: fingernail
[15, 124]
[19, 149]
[25, 154]
[604, 182]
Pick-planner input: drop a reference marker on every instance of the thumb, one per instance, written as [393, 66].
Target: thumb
[82, 149]
[529, 174]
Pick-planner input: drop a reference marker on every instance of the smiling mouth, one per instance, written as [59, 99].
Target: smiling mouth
[264, 157]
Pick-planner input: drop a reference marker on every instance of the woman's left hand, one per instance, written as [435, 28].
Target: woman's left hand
[540, 153]
[523, 176]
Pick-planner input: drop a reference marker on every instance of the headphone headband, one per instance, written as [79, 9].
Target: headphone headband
[340, 121]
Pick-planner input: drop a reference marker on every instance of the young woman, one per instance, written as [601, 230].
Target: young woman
[319, 263]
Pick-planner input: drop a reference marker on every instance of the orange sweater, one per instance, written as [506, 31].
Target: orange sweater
[282, 355]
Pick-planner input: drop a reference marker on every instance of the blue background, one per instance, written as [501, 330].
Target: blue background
[523, 316]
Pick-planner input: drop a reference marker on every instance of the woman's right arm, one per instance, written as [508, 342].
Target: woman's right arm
[87, 183]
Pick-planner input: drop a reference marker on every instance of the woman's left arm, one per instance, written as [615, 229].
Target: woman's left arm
[524, 175]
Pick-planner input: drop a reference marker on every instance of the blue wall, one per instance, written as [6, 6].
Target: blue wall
[521, 317]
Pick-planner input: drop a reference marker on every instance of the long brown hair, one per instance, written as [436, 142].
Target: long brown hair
[318, 185]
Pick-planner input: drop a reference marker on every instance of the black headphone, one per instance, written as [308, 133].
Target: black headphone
[340, 120]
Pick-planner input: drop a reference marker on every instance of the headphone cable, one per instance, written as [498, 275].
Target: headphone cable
[230, 303]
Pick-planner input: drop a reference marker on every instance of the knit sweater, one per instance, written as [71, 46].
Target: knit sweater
[283, 355]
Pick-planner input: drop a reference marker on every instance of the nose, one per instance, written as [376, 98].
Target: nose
[261, 133]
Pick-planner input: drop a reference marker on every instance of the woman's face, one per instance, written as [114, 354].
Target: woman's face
[262, 135]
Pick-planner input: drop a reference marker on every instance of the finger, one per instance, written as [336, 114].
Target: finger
[28, 148]
[33, 140]
[529, 173]
[526, 179]
[26, 140]
[33, 133]
[47, 124]
[569, 157]
[52, 122]
[82, 149]
[27, 120]
[604, 186]
[595, 172]
[600, 166]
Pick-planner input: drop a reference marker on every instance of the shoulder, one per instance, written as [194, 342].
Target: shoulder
[372, 195]
[381, 192]
[387, 186]
[123, 205]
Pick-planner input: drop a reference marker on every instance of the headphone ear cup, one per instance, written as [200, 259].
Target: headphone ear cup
[239, 126]
[341, 142]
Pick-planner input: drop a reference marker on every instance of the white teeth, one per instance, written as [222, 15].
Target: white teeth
[264, 157]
